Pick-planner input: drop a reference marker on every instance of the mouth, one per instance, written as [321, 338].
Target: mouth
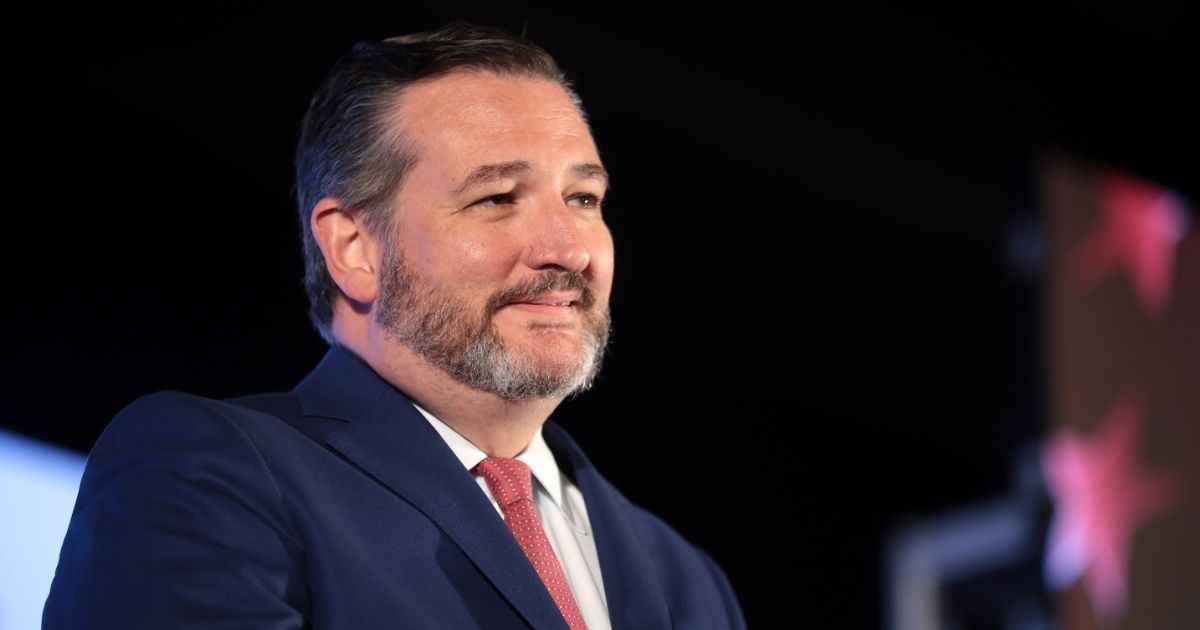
[557, 303]
[561, 296]
[550, 301]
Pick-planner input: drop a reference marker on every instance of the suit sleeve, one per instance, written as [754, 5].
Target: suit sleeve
[178, 524]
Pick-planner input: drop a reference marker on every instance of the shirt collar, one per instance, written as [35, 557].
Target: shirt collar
[537, 455]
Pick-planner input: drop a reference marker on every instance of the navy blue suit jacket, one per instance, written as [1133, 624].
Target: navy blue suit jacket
[336, 505]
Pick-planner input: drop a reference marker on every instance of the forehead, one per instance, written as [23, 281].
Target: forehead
[484, 117]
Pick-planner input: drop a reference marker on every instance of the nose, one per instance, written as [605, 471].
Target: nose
[556, 239]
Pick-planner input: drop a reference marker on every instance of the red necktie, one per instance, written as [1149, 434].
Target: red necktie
[512, 485]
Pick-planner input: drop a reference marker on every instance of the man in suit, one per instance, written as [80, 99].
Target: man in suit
[459, 265]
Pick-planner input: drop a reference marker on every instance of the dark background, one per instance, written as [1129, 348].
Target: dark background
[814, 215]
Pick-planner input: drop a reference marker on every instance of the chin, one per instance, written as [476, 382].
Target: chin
[558, 358]
[548, 341]
[557, 364]
[538, 375]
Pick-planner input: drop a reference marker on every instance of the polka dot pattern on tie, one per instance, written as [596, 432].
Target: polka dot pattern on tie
[511, 484]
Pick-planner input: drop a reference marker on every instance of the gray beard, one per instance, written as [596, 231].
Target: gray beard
[439, 327]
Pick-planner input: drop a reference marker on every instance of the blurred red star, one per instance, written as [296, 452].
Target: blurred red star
[1101, 496]
[1139, 228]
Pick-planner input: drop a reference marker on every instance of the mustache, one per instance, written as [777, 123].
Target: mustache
[545, 282]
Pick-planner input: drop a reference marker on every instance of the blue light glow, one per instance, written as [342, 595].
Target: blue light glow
[38, 484]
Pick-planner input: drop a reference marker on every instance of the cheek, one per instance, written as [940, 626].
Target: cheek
[471, 253]
[468, 259]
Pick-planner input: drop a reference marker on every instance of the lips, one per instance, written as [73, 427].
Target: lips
[555, 299]
[551, 292]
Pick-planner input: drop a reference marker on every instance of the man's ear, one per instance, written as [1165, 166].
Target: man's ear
[351, 252]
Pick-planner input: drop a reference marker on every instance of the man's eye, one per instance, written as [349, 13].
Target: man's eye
[586, 200]
[495, 200]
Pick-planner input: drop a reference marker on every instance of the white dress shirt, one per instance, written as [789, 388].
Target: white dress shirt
[562, 512]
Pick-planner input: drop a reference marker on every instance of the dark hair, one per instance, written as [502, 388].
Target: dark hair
[348, 149]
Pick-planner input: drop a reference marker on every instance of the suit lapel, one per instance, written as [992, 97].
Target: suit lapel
[389, 439]
[631, 584]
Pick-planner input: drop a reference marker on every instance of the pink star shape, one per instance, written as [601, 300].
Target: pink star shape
[1138, 230]
[1101, 496]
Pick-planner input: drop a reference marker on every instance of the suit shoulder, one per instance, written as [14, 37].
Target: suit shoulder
[182, 406]
[278, 404]
[179, 407]
[170, 400]
[171, 414]
[170, 444]
[271, 422]
[175, 492]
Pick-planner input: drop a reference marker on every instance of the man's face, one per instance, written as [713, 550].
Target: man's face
[500, 265]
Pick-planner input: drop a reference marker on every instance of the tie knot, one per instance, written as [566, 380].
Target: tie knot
[508, 479]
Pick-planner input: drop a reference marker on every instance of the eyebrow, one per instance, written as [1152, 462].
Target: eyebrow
[591, 170]
[504, 170]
